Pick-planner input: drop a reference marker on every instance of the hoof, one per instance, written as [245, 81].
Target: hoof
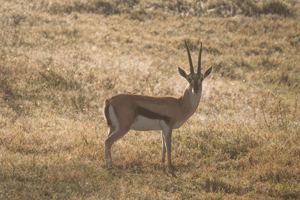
[109, 164]
[171, 169]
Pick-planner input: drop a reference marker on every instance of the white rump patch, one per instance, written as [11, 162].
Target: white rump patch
[113, 118]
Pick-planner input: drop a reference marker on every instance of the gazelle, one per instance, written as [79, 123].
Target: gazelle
[126, 112]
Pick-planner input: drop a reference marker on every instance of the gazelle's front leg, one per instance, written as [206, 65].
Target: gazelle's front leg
[168, 146]
[164, 149]
[166, 138]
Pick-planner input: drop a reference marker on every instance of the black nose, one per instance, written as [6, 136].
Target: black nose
[196, 88]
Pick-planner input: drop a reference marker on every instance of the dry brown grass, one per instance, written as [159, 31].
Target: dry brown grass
[60, 61]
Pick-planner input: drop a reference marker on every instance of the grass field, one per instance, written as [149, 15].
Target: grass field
[59, 61]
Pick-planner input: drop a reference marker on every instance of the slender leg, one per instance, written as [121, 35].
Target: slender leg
[168, 146]
[109, 142]
[119, 129]
[164, 149]
[166, 138]
[107, 148]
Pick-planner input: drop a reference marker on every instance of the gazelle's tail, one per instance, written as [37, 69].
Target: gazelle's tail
[106, 113]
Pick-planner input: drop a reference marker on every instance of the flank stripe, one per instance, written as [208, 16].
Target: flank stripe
[152, 115]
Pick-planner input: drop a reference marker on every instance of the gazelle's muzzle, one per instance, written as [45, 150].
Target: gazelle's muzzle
[196, 89]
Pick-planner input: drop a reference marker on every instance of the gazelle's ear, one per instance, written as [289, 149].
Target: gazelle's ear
[182, 73]
[207, 72]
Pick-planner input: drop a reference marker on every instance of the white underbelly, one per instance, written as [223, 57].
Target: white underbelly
[146, 124]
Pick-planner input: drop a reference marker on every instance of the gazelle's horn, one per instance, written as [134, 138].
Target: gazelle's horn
[199, 60]
[190, 59]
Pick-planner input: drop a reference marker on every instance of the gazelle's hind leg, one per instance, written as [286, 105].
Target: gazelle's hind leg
[114, 136]
[112, 130]
[117, 130]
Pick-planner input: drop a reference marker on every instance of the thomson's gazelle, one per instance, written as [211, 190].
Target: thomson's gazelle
[137, 112]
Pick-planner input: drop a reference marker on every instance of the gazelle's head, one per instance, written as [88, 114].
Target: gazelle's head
[195, 80]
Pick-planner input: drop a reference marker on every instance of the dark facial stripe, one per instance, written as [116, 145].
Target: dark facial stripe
[152, 115]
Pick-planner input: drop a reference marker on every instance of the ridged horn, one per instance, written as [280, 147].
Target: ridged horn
[199, 60]
[190, 59]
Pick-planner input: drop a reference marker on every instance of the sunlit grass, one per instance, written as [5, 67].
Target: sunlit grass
[59, 61]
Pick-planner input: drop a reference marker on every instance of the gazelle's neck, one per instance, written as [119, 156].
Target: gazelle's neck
[191, 100]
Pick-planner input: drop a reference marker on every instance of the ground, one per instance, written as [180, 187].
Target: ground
[61, 59]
